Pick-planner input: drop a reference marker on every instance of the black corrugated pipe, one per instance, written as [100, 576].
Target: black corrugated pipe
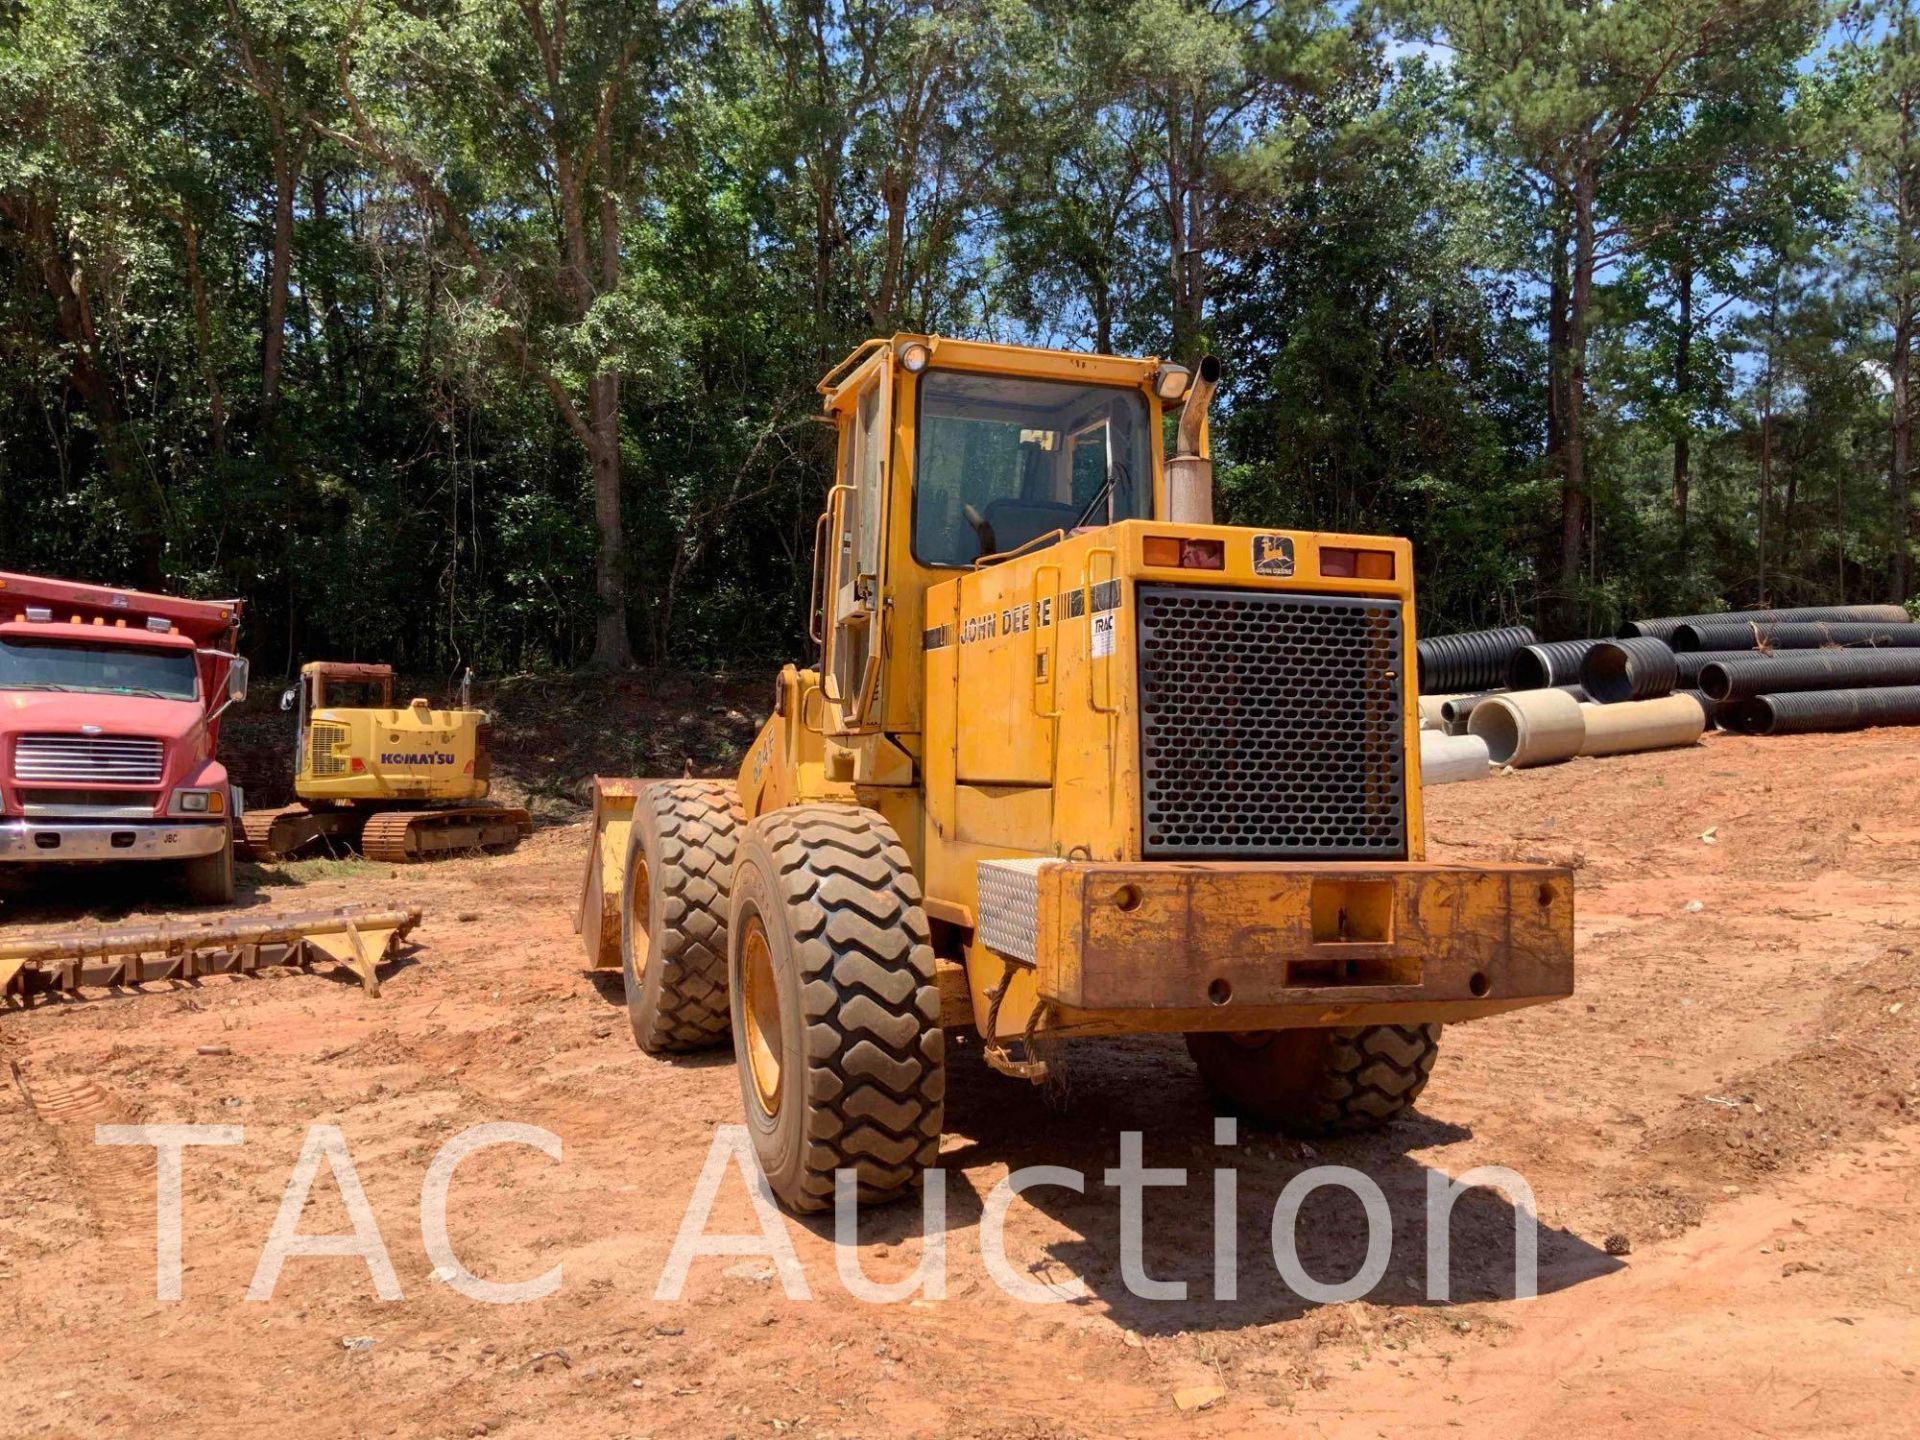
[1809, 670]
[1473, 660]
[1792, 635]
[1617, 670]
[1689, 663]
[1662, 629]
[1547, 665]
[1813, 711]
[1716, 711]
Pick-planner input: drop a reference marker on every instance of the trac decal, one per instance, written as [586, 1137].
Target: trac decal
[1106, 617]
[415, 757]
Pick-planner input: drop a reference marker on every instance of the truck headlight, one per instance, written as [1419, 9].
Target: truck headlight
[199, 802]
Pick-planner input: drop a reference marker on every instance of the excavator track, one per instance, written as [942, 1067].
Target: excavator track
[405, 837]
[284, 833]
[267, 834]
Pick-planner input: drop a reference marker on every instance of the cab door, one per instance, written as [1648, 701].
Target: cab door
[853, 639]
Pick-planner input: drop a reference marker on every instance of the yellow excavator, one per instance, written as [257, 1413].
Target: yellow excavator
[398, 784]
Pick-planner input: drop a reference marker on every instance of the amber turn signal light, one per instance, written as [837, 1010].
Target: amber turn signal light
[1343, 563]
[1177, 554]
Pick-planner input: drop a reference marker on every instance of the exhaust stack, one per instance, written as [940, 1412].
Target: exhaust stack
[1190, 467]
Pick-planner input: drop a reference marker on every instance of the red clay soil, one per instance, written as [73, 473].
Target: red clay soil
[1722, 1131]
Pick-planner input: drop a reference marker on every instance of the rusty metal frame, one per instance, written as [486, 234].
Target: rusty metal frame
[359, 938]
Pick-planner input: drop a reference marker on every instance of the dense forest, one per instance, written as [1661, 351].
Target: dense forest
[486, 331]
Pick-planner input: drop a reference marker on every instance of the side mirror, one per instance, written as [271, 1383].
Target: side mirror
[288, 699]
[237, 672]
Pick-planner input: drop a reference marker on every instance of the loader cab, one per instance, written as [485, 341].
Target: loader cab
[953, 455]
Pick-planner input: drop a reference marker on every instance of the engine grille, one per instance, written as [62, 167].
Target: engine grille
[87, 760]
[322, 743]
[1271, 726]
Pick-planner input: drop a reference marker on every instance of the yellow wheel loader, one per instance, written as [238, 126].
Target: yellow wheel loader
[397, 784]
[1072, 761]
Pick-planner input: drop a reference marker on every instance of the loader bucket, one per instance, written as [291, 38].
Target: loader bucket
[357, 937]
[598, 923]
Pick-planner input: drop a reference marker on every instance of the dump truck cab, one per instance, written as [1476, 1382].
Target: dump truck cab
[110, 707]
[1125, 769]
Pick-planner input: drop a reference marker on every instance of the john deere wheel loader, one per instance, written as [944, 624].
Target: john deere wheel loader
[1073, 761]
[396, 784]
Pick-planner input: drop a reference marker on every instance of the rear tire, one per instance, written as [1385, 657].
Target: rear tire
[836, 1017]
[1317, 1082]
[673, 914]
[209, 878]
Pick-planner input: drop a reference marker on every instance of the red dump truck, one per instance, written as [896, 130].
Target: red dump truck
[110, 705]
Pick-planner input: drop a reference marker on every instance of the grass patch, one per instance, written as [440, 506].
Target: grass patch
[310, 872]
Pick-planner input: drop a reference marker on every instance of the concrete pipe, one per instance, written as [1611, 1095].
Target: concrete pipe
[1447, 758]
[1433, 710]
[1634, 725]
[1530, 727]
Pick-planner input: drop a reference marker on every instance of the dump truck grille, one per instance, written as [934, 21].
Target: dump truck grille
[325, 740]
[1271, 726]
[87, 760]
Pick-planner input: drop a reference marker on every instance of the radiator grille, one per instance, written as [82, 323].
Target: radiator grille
[1271, 725]
[325, 740]
[87, 760]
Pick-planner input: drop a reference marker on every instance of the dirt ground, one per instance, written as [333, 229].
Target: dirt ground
[1721, 1130]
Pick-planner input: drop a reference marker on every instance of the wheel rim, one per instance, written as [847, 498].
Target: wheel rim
[640, 917]
[762, 997]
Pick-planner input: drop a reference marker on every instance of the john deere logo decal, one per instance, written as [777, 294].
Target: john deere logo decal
[1273, 555]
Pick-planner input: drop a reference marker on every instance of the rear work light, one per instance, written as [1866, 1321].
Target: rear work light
[1343, 563]
[1177, 554]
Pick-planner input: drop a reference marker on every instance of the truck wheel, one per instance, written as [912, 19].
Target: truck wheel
[673, 908]
[1317, 1082]
[836, 1018]
[210, 877]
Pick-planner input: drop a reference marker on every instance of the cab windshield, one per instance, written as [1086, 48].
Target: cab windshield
[98, 669]
[1002, 461]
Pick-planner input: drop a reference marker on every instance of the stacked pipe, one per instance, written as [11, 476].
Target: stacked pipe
[1639, 669]
[1808, 711]
[1474, 660]
[1664, 679]
[1662, 628]
[1759, 674]
[1792, 635]
[1642, 668]
[1543, 666]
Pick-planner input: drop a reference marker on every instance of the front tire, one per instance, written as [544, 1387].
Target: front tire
[673, 914]
[209, 878]
[836, 1017]
[1317, 1082]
